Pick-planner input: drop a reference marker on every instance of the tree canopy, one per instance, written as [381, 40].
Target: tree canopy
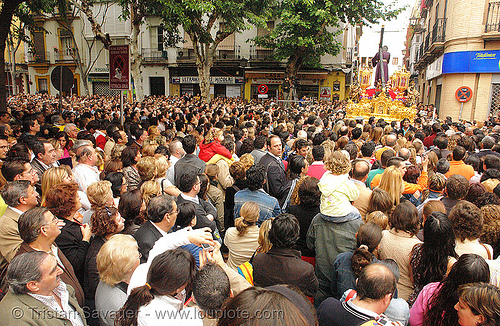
[307, 29]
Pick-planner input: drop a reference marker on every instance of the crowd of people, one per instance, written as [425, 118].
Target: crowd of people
[245, 213]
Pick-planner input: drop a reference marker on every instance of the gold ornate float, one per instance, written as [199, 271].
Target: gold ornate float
[395, 101]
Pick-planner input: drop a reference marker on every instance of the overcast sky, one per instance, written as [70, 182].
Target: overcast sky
[394, 35]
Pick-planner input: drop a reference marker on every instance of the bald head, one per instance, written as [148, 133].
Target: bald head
[404, 153]
[360, 169]
[390, 141]
[375, 282]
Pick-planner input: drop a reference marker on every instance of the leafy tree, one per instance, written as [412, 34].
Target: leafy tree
[307, 29]
[9, 9]
[199, 20]
[136, 11]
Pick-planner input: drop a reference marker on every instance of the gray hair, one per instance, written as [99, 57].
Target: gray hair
[14, 190]
[79, 143]
[83, 151]
[23, 269]
[159, 206]
[30, 223]
[66, 127]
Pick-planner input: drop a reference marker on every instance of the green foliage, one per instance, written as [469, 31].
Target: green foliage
[307, 29]
[199, 17]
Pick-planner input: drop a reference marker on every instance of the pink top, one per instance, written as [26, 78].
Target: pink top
[421, 305]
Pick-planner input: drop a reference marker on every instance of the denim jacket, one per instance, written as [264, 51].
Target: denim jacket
[269, 206]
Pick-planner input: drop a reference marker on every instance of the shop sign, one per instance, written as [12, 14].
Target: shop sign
[308, 82]
[281, 75]
[435, 69]
[471, 62]
[213, 80]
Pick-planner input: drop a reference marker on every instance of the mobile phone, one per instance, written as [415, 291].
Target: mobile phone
[207, 247]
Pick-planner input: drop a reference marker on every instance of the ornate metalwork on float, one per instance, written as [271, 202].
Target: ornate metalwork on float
[394, 102]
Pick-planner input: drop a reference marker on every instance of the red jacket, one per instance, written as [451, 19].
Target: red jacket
[212, 148]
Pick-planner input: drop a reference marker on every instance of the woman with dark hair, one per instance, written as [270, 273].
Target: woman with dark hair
[105, 222]
[65, 144]
[432, 260]
[478, 304]
[434, 304]
[282, 264]
[118, 185]
[398, 242]
[380, 200]
[131, 208]
[476, 191]
[169, 277]
[348, 265]
[63, 201]
[130, 156]
[296, 169]
[305, 206]
[288, 306]
[467, 222]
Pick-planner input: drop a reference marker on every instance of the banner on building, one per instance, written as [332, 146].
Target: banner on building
[119, 67]
[471, 62]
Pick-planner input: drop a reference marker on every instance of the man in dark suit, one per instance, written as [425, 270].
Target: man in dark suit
[190, 163]
[277, 185]
[45, 157]
[161, 210]
[486, 144]
[189, 186]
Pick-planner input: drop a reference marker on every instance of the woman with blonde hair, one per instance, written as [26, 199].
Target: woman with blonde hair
[146, 168]
[116, 262]
[150, 189]
[392, 182]
[58, 175]
[162, 164]
[241, 240]
[100, 195]
[263, 240]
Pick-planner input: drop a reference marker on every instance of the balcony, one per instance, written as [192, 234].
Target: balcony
[185, 55]
[153, 55]
[62, 55]
[433, 44]
[438, 36]
[492, 27]
[39, 57]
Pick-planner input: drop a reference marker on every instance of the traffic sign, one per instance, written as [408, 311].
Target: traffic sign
[119, 67]
[62, 78]
[463, 94]
[263, 89]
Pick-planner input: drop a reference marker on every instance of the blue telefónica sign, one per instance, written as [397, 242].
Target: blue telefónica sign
[471, 62]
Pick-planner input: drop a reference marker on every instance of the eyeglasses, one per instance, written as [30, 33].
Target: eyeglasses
[54, 220]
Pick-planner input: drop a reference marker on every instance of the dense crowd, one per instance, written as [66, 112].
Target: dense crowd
[245, 213]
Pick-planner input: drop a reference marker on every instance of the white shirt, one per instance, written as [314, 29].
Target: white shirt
[85, 175]
[66, 311]
[167, 242]
[167, 310]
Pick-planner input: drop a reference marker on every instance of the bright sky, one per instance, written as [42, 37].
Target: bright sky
[394, 35]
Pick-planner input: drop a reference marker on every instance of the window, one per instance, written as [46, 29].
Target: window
[43, 85]
[156, 37]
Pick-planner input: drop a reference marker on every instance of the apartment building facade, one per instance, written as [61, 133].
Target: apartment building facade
[239, 66]
[456, 44]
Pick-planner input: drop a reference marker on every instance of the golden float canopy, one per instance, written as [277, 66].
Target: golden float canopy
[381, 105]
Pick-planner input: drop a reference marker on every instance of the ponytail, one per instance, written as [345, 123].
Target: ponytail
[140, 296]
[360, 258]
[242, 226]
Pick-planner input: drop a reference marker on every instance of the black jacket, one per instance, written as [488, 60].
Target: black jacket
[190, 163]
[277, 185]
[202, 210]
[284, 266]
[73, 247]
[146, 237]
